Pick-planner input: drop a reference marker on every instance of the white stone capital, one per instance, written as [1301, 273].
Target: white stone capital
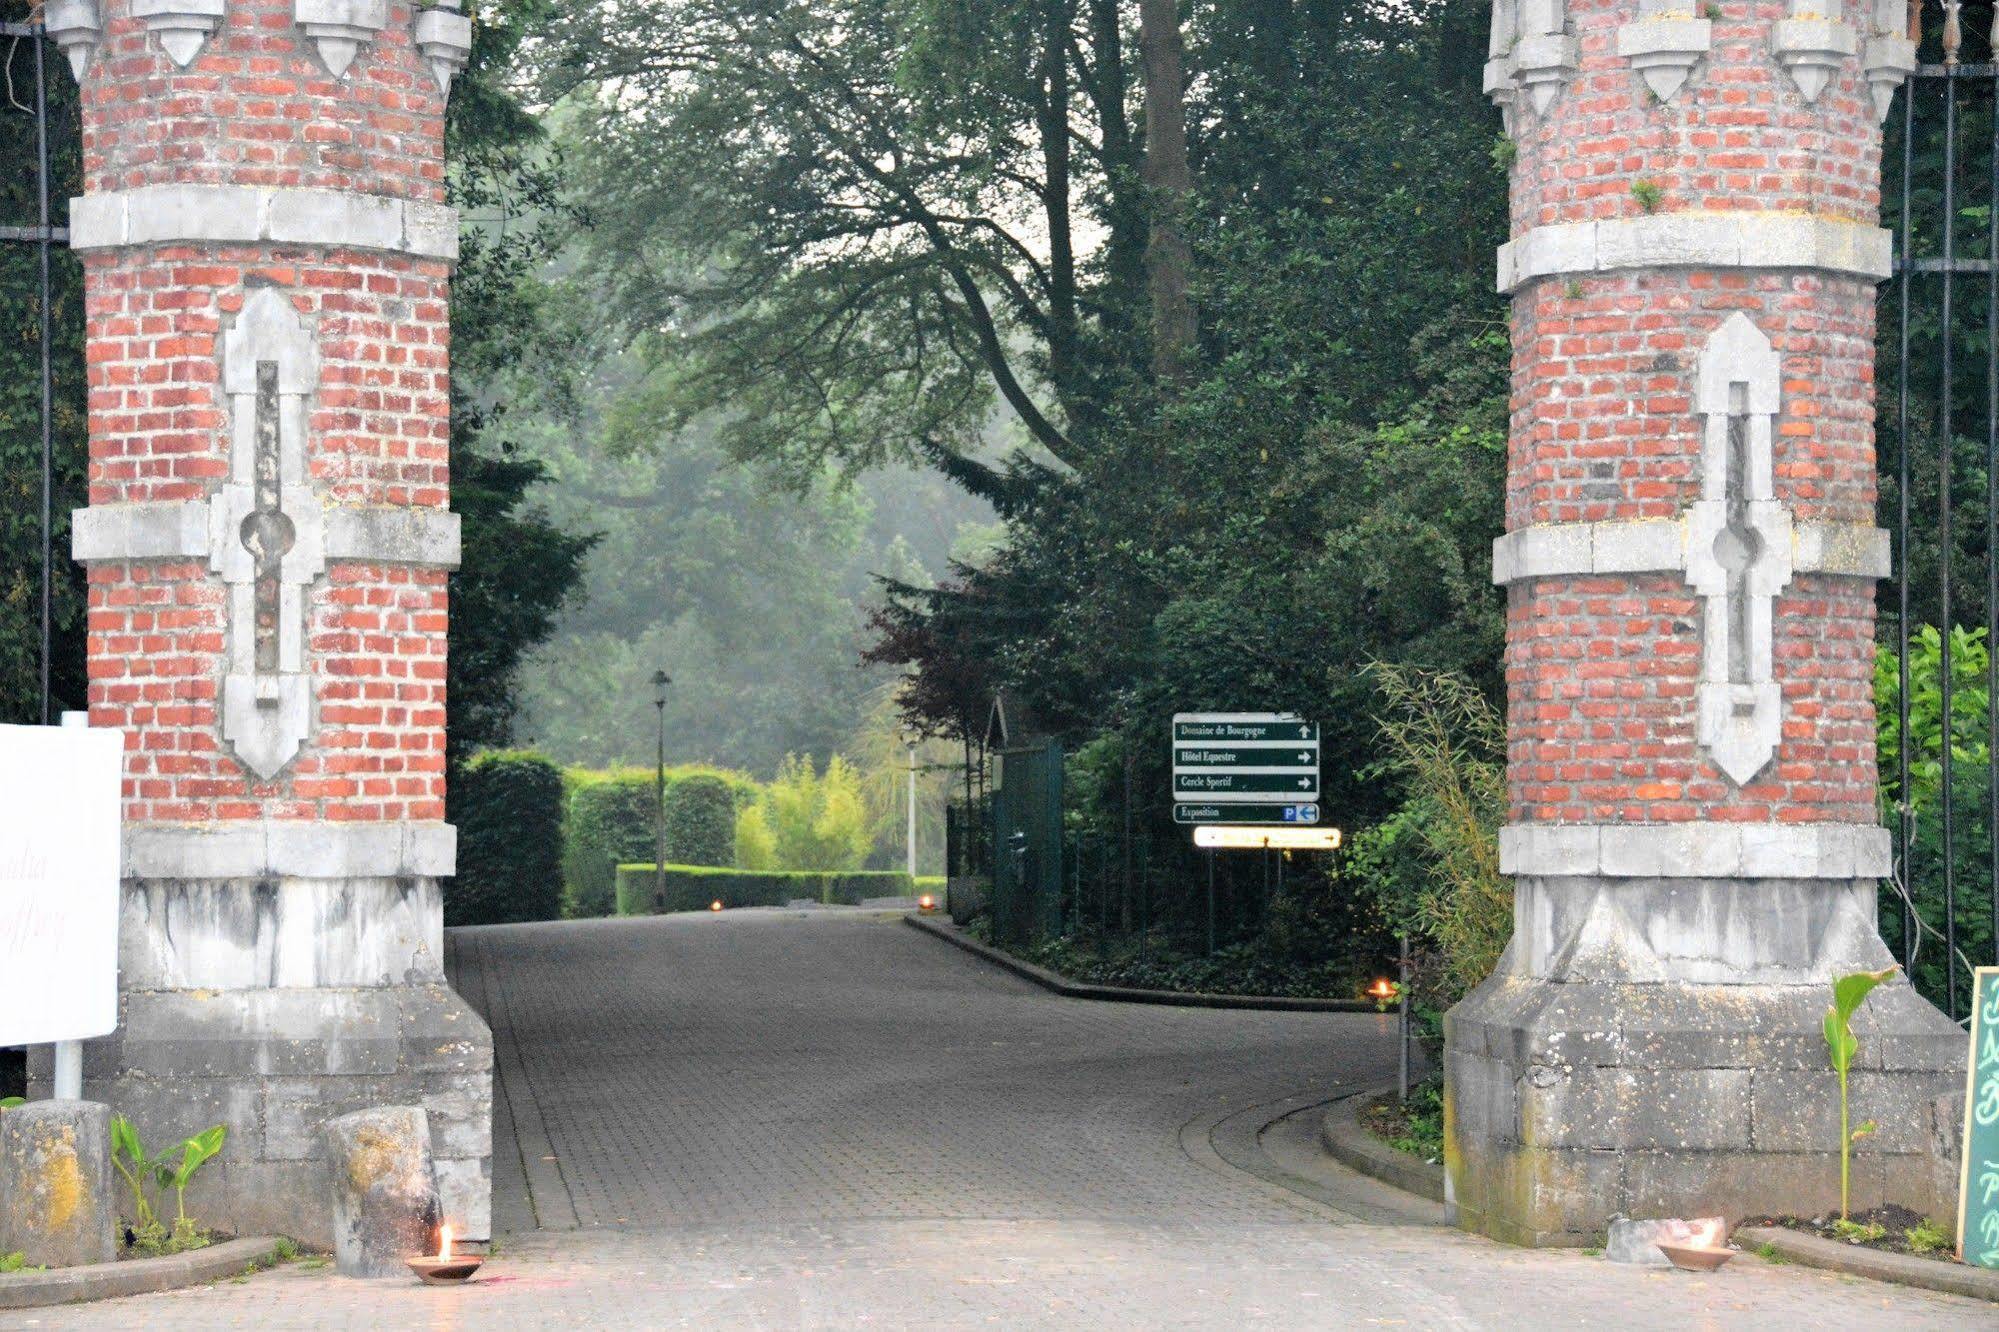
[339, 219]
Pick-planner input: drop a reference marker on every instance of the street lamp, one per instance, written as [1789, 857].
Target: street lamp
[909, 739]
[660, 680]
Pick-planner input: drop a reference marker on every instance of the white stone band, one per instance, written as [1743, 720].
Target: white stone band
[1568, 550]
[217, 214]
[276, 848]
[1697, 240]
[176, 531]
[1696, 850]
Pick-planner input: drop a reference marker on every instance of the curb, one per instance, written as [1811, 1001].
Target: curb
[1059, 984]
[1980, 1283]
[1343, 1136]
[136, 1276]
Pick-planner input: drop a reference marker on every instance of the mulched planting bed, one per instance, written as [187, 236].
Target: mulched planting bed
[1893, 1224]
[1416, 1128]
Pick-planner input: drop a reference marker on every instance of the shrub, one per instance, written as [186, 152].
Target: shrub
[509, 812]
[610, 822]
[694, 887]
[756, 844]
[818, 821]
[701, 821]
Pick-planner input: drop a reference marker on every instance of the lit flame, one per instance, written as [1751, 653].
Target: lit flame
[444, 1244]
[715, 905]
[927, 902]
[1382, 989]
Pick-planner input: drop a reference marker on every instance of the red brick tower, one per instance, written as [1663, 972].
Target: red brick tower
[267, 260]
[1690, 563]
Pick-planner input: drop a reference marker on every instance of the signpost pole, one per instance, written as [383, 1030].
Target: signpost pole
[1211, 903]
[68, 1085]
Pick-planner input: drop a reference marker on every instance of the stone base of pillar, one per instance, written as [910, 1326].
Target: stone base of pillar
[1653, 1048]
[275, 1065]
[274, 1007]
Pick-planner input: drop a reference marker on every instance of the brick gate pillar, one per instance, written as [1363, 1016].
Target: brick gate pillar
[1690, 561]
[267, 259]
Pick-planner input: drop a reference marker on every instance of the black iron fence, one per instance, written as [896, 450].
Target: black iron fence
[1939, 446]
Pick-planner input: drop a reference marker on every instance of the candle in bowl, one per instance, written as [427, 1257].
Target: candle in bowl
[445, 1269]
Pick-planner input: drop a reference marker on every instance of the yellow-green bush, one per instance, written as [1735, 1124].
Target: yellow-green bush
[694, 887]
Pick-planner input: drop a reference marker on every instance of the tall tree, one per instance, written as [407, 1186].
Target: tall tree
[1169, 259]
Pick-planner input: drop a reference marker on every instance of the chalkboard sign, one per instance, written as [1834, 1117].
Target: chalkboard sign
[1978, 1189]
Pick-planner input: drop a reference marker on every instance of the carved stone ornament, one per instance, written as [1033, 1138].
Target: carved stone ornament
[444, 38]
[1529, 53]
[76, 28]
[183, 26]
[1665, 44]
[1889, 56]
[1738, 550]
[1813, 44]
[338, 29]
[266, 531]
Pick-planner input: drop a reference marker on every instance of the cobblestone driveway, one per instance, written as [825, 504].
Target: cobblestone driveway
[810, 1119]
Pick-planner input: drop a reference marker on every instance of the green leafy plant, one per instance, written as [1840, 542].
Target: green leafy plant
[130, 1159]
[172, 1168]
[1769, 1253]
[1648, 194]
[13, 1262]
[195, 1152]
[1848, 994]
[1859, 1232]
[1927, 1236]
[9, 1102]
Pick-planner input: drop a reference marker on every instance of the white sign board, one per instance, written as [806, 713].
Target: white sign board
[59, 861]
[1261, 758]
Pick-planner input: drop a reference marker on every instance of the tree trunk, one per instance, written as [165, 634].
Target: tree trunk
[1169, 260]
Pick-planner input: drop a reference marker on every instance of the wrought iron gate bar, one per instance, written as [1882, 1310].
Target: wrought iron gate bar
[1986, 71]
[11, 29]
[35, 235]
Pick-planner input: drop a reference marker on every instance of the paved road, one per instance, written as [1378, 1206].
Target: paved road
[817, 1120]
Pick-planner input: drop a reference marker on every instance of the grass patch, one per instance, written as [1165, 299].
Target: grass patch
[1416, 1126]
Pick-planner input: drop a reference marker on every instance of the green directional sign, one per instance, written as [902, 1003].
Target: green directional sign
[1303, 783]
[1245, 813]
[1228, 727]
[1245, 757]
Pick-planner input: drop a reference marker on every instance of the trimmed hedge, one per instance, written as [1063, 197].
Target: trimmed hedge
[693, 887]
[610, 823]
[700, 822]
[509, 810]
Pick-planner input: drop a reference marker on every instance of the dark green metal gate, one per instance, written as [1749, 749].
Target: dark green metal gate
[1027, 843]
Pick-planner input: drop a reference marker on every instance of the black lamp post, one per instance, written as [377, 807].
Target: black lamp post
[660, 680]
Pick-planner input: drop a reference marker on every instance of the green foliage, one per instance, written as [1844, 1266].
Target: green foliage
[1921, 796]
[195, 1152]
[696, 887]
[611, 820]
[1929, 1236]
[701, 821]
[9, 1102]
[136, 1167]
[1648, 194]
[1153, 964]
[756, 844]
[20, 393]
[174, 1167]
[1858, 1232]
[15, 1262]
[1848, 994]
[1448, 743]
[817, 819]
[509, 810]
